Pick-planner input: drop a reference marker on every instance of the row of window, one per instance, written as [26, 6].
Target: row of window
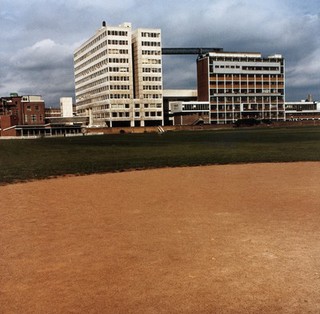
[119, 78]
[126, 106]
[152, 78]
[195, 107]
[245, 83]
[152, 87]
[102, 89]
[98, 66]
[151, 52]
[91, 76]
[117, 33]
[252, 99]
[118, 51]
[91, 43]
[118, 42]
[105, 79]
[244, 59]
[87, 99]
[246, 91]
[36, 107]
[244, 107]
[92, 51]
[151, 61]
[248, 77]
[256, 68]
[33, 118]
[91, 61]
[151, 43]
[248, 68]
[152, 96]
[87, 86]
[150, 34]
[151, 70]
[118, 60]
[119, 96]
[118, 69]
[99, 47]
[235, 116]
[126, 114]
[119, 87]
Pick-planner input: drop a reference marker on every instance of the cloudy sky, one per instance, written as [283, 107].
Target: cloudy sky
[38, 38]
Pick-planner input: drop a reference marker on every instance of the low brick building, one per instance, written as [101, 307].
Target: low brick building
[20, 111]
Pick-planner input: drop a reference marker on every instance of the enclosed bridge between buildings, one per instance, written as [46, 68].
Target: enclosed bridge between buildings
[189, 51]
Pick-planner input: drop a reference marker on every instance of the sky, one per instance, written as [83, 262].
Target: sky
[38, 38]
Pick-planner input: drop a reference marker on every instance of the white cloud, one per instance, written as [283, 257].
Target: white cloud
[43, 55]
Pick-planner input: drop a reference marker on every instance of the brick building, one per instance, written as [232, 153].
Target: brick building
[20, 111]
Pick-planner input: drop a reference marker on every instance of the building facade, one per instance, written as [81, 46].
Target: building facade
[118, 77]
[66, 107]
[241, 86]
[24, 110]
[302, 110]
[190, 112]
[170, 95]
[20, 111]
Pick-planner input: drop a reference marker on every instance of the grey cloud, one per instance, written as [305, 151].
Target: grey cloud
[38, 37]
[44, 68]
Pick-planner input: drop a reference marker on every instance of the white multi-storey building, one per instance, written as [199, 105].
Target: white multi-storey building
[118, 77]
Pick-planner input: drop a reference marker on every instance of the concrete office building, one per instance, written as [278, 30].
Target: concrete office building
[241, 85]
[118, 77]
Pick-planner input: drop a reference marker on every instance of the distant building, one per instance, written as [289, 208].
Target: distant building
[241, 85]
[20, 111]
[66, 107]
[302, 110]
[52, 112]
[190, 112]
[173, 95]
[118, 77]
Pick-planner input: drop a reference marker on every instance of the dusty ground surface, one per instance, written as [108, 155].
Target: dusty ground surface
[217, 239]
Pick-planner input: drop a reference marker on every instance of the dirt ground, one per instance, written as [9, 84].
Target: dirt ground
[216, 239]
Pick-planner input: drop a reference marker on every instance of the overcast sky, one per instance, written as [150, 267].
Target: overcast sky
[38, 38]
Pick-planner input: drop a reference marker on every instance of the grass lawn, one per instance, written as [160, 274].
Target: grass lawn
[22, 160]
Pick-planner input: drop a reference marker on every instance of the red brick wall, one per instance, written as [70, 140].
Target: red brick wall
[7, 122]
[190, 119]
[33, 113]
[203, 79]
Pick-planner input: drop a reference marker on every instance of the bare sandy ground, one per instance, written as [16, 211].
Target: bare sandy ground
[217, 239]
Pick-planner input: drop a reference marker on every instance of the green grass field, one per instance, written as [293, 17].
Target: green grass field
[22, 160]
